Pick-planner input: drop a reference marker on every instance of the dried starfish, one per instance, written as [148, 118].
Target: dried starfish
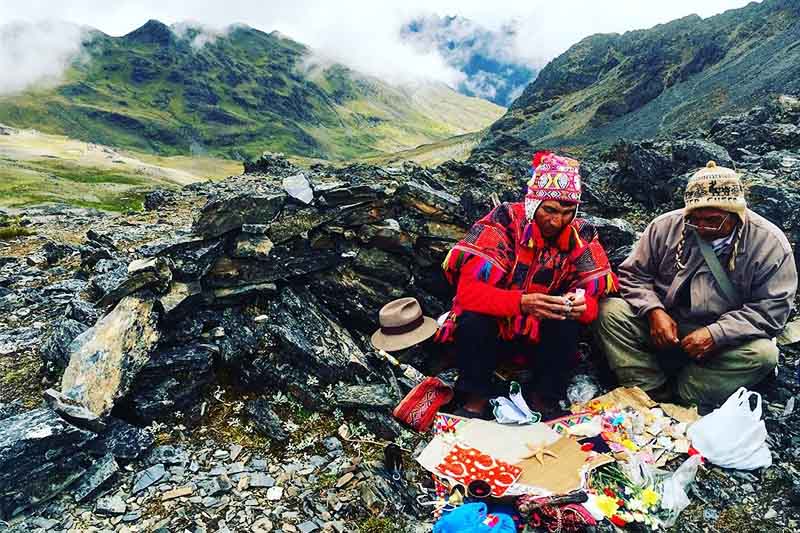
[538, 451]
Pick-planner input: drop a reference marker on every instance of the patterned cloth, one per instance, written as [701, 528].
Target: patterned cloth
[552, 178]
[466, 465]
[420, 406]
[515, 255]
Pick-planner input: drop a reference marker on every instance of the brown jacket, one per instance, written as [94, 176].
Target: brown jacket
[764, 276]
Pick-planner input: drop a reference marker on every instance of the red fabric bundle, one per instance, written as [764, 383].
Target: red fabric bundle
[420, 406]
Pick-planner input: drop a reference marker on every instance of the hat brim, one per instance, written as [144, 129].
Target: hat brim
[392, 343]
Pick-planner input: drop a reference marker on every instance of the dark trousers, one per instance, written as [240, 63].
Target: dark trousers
[479, 350]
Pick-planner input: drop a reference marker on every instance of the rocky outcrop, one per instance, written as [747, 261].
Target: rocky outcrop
[39, 457]
[106, 359]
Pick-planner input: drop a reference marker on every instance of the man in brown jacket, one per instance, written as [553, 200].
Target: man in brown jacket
[676, 330]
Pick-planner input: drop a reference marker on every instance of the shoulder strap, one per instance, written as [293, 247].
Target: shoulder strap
[717, 270]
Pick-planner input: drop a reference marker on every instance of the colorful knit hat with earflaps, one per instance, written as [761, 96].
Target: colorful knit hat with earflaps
[553, 177]
[718, 187]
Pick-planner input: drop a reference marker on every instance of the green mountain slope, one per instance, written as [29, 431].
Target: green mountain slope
[237, 95]
[646, 83]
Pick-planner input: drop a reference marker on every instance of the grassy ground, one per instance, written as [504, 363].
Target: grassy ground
[38, 168]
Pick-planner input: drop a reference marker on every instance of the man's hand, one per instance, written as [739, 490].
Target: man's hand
[698, 344]
[544, 306]
[663, 330]
[578, 305]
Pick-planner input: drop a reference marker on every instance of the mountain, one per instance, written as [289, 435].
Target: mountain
[483, 56]
[649, 83]
[182, 89]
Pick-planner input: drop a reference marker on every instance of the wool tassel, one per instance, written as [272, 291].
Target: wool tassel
[485, 272]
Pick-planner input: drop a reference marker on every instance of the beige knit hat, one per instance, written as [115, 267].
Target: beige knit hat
[718, 187]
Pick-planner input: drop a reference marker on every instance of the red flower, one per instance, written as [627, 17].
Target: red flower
[617, 521]
[610, 493]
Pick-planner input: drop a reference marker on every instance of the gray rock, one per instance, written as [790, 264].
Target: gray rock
[366, 396]
[54, 349]
[265, 420]
[81, 311]
[221, 215]
[168, 455]
[100, 472]
[308, 527]
[333, 445]
[122, 440]
[73, 412]
[111, 505]
[252, 246]
[40, 455]
[297, 187]
[105, 360]
[172, 380]
[261, 480]
[153, 273]
[148, 477]
[10, 409]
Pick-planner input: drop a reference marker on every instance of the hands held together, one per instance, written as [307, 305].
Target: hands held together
[664, 333]
[545, 306]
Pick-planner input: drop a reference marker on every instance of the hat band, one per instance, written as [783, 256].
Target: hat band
[399, 330]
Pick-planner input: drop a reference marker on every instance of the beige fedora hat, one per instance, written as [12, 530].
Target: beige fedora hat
[402, 325]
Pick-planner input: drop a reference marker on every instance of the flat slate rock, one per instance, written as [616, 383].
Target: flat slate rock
[148, 477]
[100, 472]
[122, 440]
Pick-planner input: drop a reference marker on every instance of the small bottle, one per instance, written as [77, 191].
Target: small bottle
[408, 371]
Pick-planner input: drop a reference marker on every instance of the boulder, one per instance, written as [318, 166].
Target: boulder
[40, 455]
[98, 473]
[366, 396]
[153, 273]
[121, 440]
[265, 420]
[311, 339]
[105, 359]
[173, 380]
[73, 412]
[191, 254]
[54, 349]
[222, 215]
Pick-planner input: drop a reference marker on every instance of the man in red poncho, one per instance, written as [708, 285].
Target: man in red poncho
[528, 275]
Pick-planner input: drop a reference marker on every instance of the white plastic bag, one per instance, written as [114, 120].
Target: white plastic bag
[733, 435]
[674, 488]
[514, 409]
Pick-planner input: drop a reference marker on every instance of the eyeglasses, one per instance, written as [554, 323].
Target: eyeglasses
[709, 227]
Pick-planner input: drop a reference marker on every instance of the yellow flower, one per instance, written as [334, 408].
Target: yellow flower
[649, 497]
[628, 443]
[607, 505]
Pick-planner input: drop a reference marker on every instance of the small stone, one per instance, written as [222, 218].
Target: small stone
[274, 493]
[133, 516]
[772, 513]
[44, 523]
[262, 525]
[177, 493]
[260, 479]
[148, 477]
[308, 527]
[210, 501]
[168, 455]
[112, 505]
[221, 485]
[344, 480]
[289, 528]
[710, 515]
[235, 451]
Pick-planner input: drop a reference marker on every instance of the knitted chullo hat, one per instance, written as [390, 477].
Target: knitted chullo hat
[718, 187]
[553, 177]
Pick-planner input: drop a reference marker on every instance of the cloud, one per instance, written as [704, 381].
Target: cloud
[36, 53]
[362, 34]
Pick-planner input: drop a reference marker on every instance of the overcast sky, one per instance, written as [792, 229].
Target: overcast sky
[361, 33]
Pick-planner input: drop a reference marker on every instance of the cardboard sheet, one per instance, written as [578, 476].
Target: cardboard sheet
[681, 414]
[559, 475]
[622, 397]
[507, 443]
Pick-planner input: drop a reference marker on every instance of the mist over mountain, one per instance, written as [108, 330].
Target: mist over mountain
[235, 92]
[485, 58]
